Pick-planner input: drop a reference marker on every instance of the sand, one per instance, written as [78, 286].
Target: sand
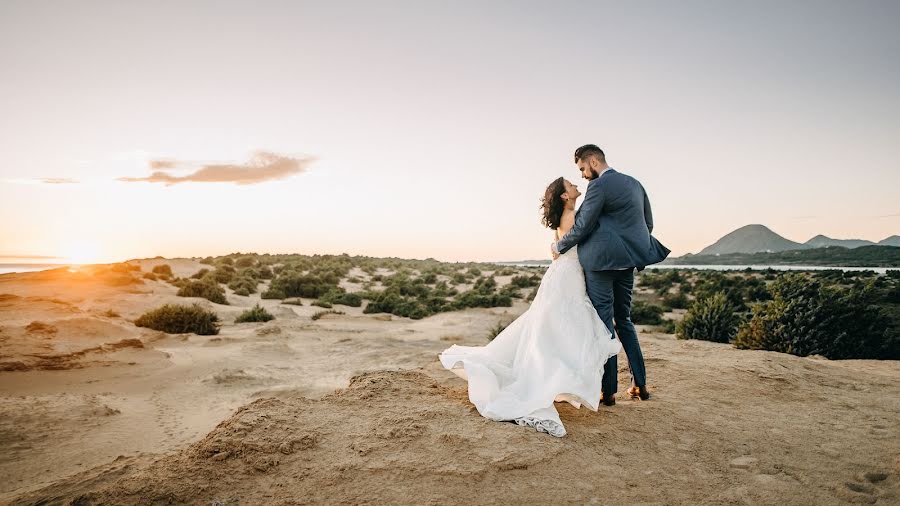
[356, 409]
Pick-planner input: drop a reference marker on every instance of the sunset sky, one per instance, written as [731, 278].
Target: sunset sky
[430, 129]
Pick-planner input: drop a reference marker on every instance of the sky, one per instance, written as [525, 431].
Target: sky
[423, 129]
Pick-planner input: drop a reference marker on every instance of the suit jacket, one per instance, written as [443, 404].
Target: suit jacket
[612, 226]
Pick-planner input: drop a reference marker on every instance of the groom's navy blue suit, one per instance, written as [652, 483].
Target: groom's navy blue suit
[612, 230]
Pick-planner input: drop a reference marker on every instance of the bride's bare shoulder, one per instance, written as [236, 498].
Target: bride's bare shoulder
[565, 223]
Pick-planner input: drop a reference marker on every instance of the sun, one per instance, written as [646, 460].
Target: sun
[81, 253]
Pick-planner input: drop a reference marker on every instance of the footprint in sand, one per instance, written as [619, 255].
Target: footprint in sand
[165, 416]
[865, 488]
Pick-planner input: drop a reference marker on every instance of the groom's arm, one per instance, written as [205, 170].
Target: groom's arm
[648, 214]
[586, 217]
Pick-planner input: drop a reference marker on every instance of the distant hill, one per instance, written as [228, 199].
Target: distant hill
[751, 239]
[837, 256]
[893, 240]
[821, 241]
[761, 239]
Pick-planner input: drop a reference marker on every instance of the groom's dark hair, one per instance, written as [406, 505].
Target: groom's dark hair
[588, 150]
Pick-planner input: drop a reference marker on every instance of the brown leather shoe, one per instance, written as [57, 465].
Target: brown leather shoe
[639, 392]
[608, 402]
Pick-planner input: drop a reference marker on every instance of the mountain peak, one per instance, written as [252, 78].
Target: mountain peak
[753, 238]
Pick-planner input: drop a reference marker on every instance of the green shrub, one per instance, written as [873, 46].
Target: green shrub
[163, 270]
[223, 273]
[243, 283]
[310, 286]
[710, 318]
[668, 326]
[206, 289]
[319, 314]
[254, 314]
[675, 300]
[344, 299]
[644, 313]
[321, 303]
[179, 319]
[526, 281]
[200, 274]
[245, 261]
[242, 292]
[496, 330]
[265, 272]
[806, 317]
[273, 293]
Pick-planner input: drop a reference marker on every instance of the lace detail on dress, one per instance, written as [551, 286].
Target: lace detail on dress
[540, 425]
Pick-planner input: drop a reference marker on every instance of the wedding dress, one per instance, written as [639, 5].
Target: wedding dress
[554, 351]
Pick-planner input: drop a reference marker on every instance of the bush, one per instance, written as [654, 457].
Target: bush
[200, 274]
[242, 292]
[710, 318]
[254, 314]
[273, 293]
[223, 274]
[178, 319]
[206, 289]
[150, 276]
[163, 271]
[293, 302]
[675, 300]
[643, 313]
[496, 330]
[291, 284]
[247, 261]
[320, 314]
[806, 317]
[668, 326]
[242, 283]
[344, 299]
[526, 281]
[321, 303]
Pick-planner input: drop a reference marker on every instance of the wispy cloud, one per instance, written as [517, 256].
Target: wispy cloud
[262, 166]
[57, 180]
[40, 180]
[163, 164]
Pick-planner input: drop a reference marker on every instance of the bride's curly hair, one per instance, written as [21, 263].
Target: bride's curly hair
[552, 204]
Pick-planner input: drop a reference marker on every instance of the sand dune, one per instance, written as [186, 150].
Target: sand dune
[355, 408]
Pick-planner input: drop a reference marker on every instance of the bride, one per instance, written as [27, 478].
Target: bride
[554, 351]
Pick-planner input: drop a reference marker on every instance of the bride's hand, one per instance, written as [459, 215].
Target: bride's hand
[553, 251]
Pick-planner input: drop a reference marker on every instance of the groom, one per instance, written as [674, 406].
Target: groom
[612, 228]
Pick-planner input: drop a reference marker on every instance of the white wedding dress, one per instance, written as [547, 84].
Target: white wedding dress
[554, 351]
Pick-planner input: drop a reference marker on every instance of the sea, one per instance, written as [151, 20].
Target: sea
[25, 264]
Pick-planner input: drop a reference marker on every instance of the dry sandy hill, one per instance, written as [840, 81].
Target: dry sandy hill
[356, 409]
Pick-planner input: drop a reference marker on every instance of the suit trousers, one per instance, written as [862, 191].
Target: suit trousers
[610, 293]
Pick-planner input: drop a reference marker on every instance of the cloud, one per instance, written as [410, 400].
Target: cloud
[262, 166]
[163, 164]
[57, 180]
